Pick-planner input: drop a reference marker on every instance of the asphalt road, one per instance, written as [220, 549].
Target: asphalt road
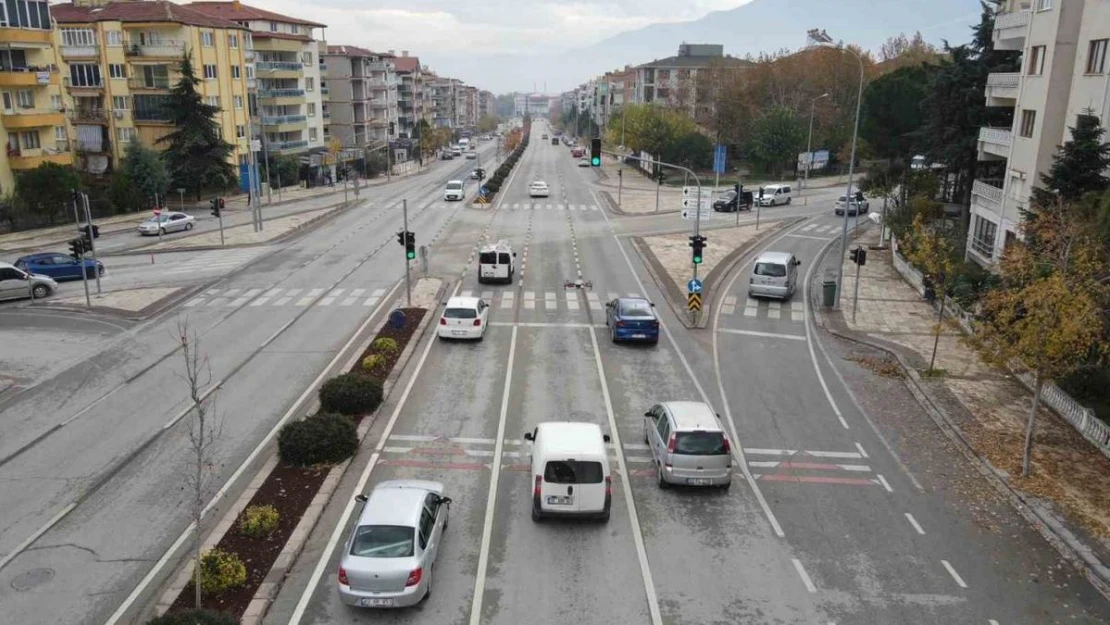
[91, 459]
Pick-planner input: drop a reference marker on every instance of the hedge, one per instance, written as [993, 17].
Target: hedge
[351, 394]
[319, 439]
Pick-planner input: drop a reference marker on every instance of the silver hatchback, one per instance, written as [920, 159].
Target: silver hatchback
[389, 559]
[688, 445]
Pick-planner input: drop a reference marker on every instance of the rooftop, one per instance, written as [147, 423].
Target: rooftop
[147, 11]
[354, 51]
[237, 11]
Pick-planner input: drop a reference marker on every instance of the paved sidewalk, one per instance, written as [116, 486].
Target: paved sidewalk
[131, 300]
[244, 234]
[673, 250]
[988, 406]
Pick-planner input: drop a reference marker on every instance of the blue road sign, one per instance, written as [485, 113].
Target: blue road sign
[719, 159]
[694, 285]
[397, 318]
[483, 191]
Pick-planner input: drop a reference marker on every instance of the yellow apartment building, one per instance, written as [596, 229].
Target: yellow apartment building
[31, 120]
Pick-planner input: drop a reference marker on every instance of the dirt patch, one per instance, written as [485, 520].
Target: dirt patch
[886, 367]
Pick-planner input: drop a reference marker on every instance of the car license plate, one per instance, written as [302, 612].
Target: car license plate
[698, 481]
[458, 332]
[556, 500]
[639, 336]
[374, 602]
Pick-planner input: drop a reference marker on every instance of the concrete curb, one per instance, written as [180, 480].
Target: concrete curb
[1070, 547]
[150, 310]
[616, 210]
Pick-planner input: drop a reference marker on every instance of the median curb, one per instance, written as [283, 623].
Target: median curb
[1047, 524]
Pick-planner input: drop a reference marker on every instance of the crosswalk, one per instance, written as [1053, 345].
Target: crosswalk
[296, 297]
[216, 261]
[545, 300]
[551, 206]
[765, 309]
[814, 229]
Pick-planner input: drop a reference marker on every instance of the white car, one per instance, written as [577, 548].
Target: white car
[454, 191]
[463, 318]
[539, 189]
[168, 221]
[471, 155]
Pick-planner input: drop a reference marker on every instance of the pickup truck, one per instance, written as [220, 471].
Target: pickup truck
[728, 202]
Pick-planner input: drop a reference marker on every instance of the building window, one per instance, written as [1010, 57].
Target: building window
[273, 27]
[250, 72]
[312, 134]
[238, 102]
[306, 58]
[982, 238]
[1028, 121]
[210, 71]
[56, 102]
[84, 75]
[60, 133]
[233, 41]
[312, 109]
[117, 70]
[1096, 56]
[125, 134]
[30, 140]
[1036, 61]
[120, 103]
[240, 131]
[25, 14]
[25, 99]
[1044, 5]
[295, 29]
[78, 37]
[207, 39]
[309, 84]
[213, 100]
[114, 37]
[235, 72]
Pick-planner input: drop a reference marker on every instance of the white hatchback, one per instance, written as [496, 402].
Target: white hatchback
[539, 189]
[463, 318]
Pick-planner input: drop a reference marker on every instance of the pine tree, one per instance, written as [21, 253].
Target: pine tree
[1079, 166]
[196, 154]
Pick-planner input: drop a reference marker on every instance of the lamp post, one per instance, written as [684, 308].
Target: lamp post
[809, 142]
[821, 38]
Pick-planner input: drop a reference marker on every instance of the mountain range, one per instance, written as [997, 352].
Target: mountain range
[759, 26]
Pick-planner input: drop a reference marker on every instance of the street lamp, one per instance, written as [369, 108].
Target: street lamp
[809, 142]
[821, 38]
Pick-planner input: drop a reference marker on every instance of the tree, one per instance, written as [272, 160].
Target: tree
[44, 192]
[650, 128]
[488, 123]
[145, 170]
[933, 250]
[777, 138]
[693, 149]
[899, 52]
[1079, 166]
[892, 115]
[196, 154]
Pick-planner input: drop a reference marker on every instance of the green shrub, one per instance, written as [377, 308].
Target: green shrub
[493, 187]
[220, 570]
[319, 439]
[351, 394]
[258, 521]
[372, 361]
[384, 345]
[194, 617]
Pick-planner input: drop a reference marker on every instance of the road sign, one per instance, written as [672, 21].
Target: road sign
[691, 214]
[692, 192]
[484, 191]
[693, 302]
[689, 202]
[719, 159]
[694, 285]
[157, 212]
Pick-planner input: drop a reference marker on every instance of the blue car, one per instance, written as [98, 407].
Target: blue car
[632, 319]
[59, 266]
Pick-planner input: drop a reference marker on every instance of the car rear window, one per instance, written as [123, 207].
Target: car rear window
[700, 443]
[460, 313]
[453, 186]
[487, 258]
[636, 309]
[383, 541]
[503, 258]
[773, 270]
[572, 472]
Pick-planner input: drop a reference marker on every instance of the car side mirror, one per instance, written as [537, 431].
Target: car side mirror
[528, 436]
[648, 414]
[360, 498]
[445, 500]
[797, 262]
[606, 438]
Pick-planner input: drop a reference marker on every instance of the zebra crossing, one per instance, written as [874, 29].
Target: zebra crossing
[276, 297]
[765, 309]
[216, 261]
[545, 300]
[813, 229]
[551, 206]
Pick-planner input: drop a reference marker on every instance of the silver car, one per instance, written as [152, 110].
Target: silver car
[389, 560]
[688, 445]
[18, 284]
[168, 221]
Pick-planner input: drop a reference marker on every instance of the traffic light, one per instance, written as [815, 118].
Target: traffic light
[217, 203]
[736, 188]
[410, 245]
[697, 242]
[661, 176]
[595, 152]
[401, 238]
[858, 256]
[76, 248]
[761, 193]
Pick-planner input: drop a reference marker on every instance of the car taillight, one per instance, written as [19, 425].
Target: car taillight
[671, 442]
[608, 485]
[619, 324]
[655, 325]
[477, 322]
[443, 321]
[343, 577]
[414, 577]
[728, 446]
[538, 486]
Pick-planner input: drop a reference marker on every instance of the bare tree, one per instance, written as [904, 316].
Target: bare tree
[204, 432]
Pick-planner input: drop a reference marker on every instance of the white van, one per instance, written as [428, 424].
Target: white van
[454, 191]
[774, 194]
[496, 263]
[464, 144]
[570, 471]
[774, 274]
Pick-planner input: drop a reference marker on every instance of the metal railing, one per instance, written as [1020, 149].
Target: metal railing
[1016, 19]
[1006, 80]
[287, 145]
[88, 115]
[26, 111]
[983, 247]
[287, 66]
[991, 194]
[148, 83]
[68, 82]
[997, 136]
[159, 48]
[280, 93]
[273, 120]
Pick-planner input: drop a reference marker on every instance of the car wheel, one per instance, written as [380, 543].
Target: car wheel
[659, 476]
[162, 230]
[40, 291]
[537, 517]
[613, 334]
[788, 200]
[189, 226]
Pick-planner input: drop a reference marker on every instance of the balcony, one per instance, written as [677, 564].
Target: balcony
[27, 35]
[90, 51]
[281, 93]
[381, 83]
[88, 116]
[29, 159]
[248, 55]
[327, 114]
[150, 116]
[987, 196]
[279, 69]
[995, 142]
[29, 77]
[324, 90]
[159, 49]
[94, 146]
[82, 85]
[32, 118]
[377, 103]
[281, 146]
[1010, 28]
[1002, 89]
[148, 84]
[378, 122]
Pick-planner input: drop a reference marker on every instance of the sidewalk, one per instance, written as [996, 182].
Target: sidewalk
[1069, 485]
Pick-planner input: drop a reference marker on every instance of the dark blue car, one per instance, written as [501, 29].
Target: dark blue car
[59, 266]
[632, 319]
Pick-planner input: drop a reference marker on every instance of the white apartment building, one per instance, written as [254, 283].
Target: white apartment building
[362, 96]
[410, 94]
[1064, 71]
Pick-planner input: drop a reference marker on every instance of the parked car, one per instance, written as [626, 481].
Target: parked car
[539, 189]
[18, 284]
[59, 266]
[632, 319]
[168, 221]
[389, 559]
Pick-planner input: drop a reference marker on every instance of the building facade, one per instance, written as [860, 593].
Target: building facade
[362, 96]
[444, 101]
[1064, 72]
[485, 104]
[410, 94]
[673, 80]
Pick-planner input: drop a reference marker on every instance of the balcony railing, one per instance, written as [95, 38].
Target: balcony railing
[1016, 19]
[287, 145]
[997, 136]
[285, 66]
[154, 49]
[273, 120]
[983, 246]
[378, 103]
[93, 146]
[280, 93]
[991, 195]
[80, 51]
[84, 84]
[148, 83]
[150, 115]
[88, 115]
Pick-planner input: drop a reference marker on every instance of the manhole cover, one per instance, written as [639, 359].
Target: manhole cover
[32, 578]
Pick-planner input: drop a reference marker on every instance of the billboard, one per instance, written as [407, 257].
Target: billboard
[818, 159]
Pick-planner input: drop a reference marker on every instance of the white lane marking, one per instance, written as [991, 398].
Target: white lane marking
[626, 487]
[774, 313]
[771, 464]
[610, 296]
[769, 335]
[915, 524]
[487, 295]
[507, 302]
[730, 300]
[805, 576]
[727, 310]
[378, 292]
[283, 301]
[530, 304]
[466, 294]
[242, 300]
[38, 533]
[219, 301]
[541, 324]
[809, 227]
[337, 533]
[954, 574]
[326, 301]
[370, 301]
[992, 622]
[194, 302]
[802, 236]
[549, 295]
[592, 296]
[260, 301]
[529, 295]
[790, 452]
[885, 484]
[750, 311]
[862, 453]
[491, 497]
[232, 292]
[572, 304]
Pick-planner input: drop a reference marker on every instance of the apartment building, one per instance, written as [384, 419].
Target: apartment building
[118, 62]
[466, 107]
[485, 104]
[362, 95]
[673, 80]
[288, 104]
[444, 101]
[1064, 71]
[31, 120]
[410, 94]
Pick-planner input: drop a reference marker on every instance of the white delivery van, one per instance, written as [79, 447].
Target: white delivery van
[464, 144]
[454, 191]
[774, 274]
[570, 471]
[775, 194]
[496, 263]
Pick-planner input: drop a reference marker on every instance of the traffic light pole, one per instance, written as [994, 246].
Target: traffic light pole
[92, 239]
[81, 255]
[408, 281]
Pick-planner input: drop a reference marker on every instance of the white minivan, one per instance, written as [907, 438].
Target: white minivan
[496, 263]
[570, 470]
[774, 274]
[774, 194]
[454, 191]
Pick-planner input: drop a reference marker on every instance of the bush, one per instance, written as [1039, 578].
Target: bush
[258, 521]
[372, 361]
[220, 570]
[351, 394]
[319, 439]
[384, 345]
[194, 617]
[493, 186]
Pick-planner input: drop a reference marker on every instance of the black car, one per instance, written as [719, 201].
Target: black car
[729, 204]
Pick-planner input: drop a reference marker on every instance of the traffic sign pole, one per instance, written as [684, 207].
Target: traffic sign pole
[408, 281]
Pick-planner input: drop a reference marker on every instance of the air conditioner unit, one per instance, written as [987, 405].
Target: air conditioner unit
[118, 114]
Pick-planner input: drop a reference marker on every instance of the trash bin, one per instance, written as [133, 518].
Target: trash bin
[828, 291]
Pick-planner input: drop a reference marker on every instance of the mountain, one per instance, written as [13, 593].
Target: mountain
[759, 26]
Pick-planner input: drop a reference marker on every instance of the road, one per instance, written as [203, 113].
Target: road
[831, 527]
[91, 460]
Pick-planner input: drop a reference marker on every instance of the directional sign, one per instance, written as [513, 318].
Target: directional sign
[694, 285]
[691, 203]
[693, 302]
[692, 192]
[690, 214]
[484, 191]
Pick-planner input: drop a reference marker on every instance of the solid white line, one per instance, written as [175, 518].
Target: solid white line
[862, 453]
[308, 392]
[769, 335]
[954, 574]
[33, 537]
[886, 484]
[626, 486]
[992, 622]
[491, 496]
[337, 533]
[915, 524]
[805, 576]
[803, 236]
[396, 450]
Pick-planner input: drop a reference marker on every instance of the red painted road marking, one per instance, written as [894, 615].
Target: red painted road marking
[814, 479]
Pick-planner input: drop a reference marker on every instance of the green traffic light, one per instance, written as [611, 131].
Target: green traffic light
[410, 255]
[596, 162]
[697, 260]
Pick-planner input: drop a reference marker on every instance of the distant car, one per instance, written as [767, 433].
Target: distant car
[583, 162]
[544, 136]
[454, 191]
[854, 207]
[478, 174]
[539, 188]
[775, 194]
[456, 152]
[59, 266]
[463, 318]
[389, 559]
[632, 319]
[17, 284]
[577, 152]
[554, 140]
[471, 155]
[728, 203]
[445, 156]
[168, 221]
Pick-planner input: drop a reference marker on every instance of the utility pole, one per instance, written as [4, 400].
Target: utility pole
[408, 280]
[255, 194]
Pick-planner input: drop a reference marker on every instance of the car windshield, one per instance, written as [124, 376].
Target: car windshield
[383, 541]
[636, 309]
[453, 186]
[774, 270]
[700, 443]
[572, 472]
[154, 220]
[460, 313]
